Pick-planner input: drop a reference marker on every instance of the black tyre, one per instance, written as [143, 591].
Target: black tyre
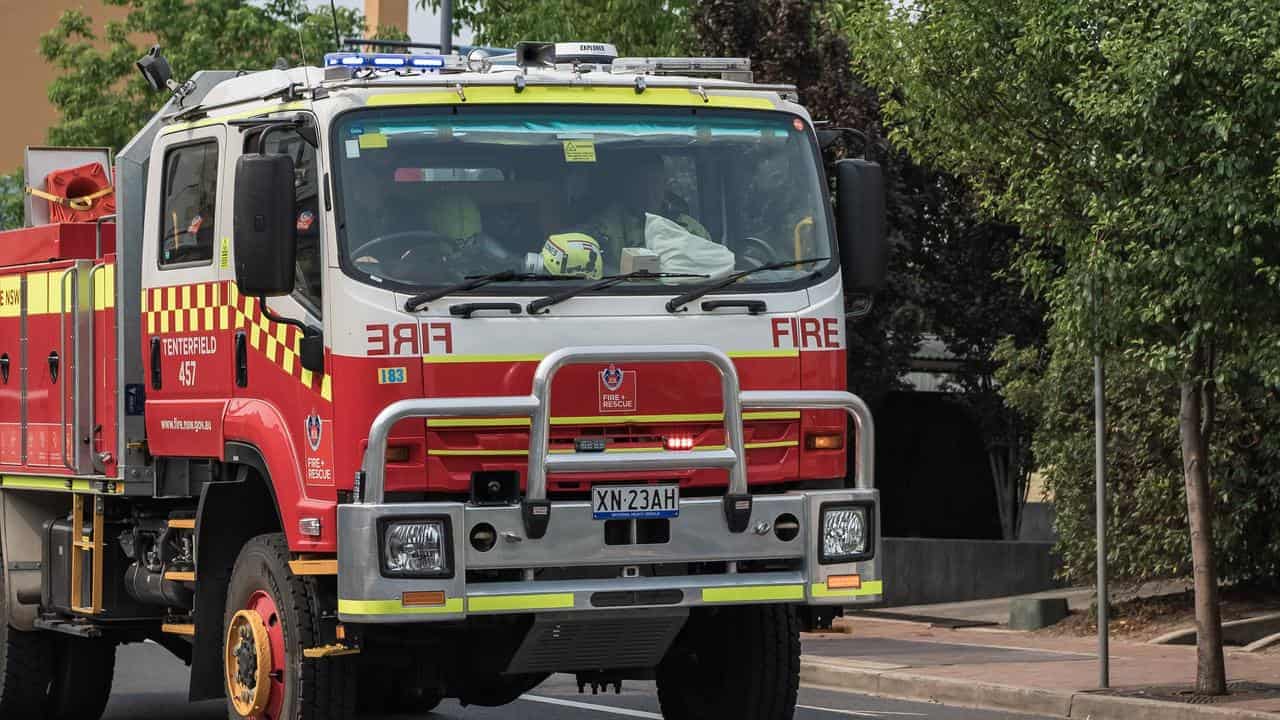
[83, 673]
[737, 662]
[267, 603]
[26, 666]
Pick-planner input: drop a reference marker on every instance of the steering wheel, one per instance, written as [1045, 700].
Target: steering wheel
[756, 252]
[396, 255]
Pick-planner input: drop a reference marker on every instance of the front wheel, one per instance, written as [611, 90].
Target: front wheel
[26, 666]
[271, 616]
[735, 662]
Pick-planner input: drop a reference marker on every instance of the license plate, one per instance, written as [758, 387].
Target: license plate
[621, 502]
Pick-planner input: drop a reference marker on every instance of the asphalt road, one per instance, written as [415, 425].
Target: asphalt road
[151, 685]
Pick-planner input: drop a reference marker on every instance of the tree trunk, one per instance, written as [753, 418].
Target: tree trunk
[1211, 675]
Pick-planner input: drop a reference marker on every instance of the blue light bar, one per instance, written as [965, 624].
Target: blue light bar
[383, 60]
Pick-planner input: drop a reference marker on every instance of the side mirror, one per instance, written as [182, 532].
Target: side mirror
[860, 225]
[265, 219]
[155, 69]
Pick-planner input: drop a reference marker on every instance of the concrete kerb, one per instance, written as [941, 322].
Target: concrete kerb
[990, 696]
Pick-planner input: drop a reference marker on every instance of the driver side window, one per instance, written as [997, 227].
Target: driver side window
[307, 235]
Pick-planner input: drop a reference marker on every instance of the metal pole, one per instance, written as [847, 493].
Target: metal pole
[446, 26]
[1100, 477]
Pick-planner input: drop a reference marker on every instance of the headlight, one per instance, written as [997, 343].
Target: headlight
[845, 533]
[416, 548]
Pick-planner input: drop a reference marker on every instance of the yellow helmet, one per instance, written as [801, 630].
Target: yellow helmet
[453, 216]
[573, 254]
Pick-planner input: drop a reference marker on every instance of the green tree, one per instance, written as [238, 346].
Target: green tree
[792, 42]
[99, 94]
[636, 27]
[1134, 142]
[11, 200]
[976, 302]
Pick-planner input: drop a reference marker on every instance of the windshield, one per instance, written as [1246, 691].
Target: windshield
[431, 196]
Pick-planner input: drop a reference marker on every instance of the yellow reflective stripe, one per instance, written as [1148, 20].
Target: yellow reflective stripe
[752, 593]
[792, 353]
[453, 359]
[476, 453]
[37, 293]
[10, 306]
[612, 420]
[869, 587]
[609, 451]
[395, 607]
[774, 444]
[576, 95]
[507, 603]
[222, 119]
[457, 359]
[104, 288]
[605, 419]
[55, 484]
[775, 415]
[477, 422]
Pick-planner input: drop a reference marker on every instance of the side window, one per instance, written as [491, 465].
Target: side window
[189, 204]
[306, 184]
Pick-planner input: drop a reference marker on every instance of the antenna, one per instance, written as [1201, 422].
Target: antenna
[337, 36]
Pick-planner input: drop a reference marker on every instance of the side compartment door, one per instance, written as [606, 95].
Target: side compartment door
[186, 327]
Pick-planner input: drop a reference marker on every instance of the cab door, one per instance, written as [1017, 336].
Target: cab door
[186, 314]
[271, 351]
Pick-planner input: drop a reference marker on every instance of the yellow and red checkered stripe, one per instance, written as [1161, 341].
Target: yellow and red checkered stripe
[215, 306]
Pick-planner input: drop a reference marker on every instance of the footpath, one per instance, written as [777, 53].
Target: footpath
[940, 660]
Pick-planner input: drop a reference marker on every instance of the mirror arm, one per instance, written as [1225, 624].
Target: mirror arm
[271, 315]
[301, 124]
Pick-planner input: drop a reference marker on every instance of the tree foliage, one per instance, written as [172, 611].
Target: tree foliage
[101, 98]
[636, 27]
[976, 304]
[1135, 143]
[1147, 519]
[11, 200]
[793, 42]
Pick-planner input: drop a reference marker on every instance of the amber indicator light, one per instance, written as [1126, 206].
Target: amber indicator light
[422, 598]
[841, 582]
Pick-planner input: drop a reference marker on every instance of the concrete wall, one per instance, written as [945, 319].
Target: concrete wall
[1037, 522]
[926, 570]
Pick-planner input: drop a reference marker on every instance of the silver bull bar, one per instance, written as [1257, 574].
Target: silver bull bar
[565, 566]
[371, 483]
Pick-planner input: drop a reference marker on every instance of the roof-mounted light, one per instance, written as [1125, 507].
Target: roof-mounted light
[725, 68]
[536, 54]
[386, 61]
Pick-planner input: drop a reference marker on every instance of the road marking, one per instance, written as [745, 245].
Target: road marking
[626, 712]
[860, 713]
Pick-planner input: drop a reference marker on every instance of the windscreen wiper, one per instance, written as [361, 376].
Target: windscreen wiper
[419, 301]
[676, 303]
[541, 304]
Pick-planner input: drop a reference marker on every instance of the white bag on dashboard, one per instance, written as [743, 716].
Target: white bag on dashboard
[680, 251]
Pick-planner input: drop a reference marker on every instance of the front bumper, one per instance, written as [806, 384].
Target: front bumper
[574, 546]
[554, 557]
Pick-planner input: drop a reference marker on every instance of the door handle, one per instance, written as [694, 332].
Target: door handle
[155, 363]
[4, 368]
[53, 365]
[242, 361]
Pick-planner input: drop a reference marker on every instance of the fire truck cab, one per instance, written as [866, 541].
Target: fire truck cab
[417, 376]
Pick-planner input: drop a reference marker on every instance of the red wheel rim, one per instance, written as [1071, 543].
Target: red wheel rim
[262, 603]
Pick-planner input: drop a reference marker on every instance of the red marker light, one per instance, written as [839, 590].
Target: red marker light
[679, 442]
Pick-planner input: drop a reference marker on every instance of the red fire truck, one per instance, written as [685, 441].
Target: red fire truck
[420, 376]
